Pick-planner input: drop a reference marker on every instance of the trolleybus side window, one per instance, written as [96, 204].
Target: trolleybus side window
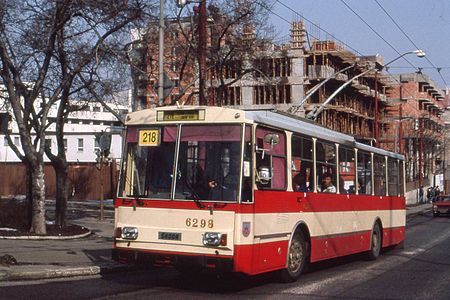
[401, 178]
[326, 167]
[270, 158]
[364, 173]
[347, 171]
[393, 177]
[379, 170]
[302, 164]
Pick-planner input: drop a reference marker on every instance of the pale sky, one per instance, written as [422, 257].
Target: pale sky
[425, 22]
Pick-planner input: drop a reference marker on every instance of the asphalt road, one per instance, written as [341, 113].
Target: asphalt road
[419, 271]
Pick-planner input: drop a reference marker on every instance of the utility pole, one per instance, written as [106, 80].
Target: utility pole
[376, 109]
[161, 55]
[202, 50]
[400, 129]
[444, 166]
[420, 150]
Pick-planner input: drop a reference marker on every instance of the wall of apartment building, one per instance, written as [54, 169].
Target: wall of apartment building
[415, 112]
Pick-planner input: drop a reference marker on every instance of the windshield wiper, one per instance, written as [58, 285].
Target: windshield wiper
[194, 195]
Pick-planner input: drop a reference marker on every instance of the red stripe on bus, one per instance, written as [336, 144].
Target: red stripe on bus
[335, 246]
[273, 202]
[259, 258]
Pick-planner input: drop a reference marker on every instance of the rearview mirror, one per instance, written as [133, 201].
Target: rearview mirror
[272, 139]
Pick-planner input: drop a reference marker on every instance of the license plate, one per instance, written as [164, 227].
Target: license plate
[169, 236]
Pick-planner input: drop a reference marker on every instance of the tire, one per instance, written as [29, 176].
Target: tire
[297, 259]
[435, 214]
[375, 243]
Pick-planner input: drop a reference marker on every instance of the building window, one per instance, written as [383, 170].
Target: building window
[17, 141]
[80, 145]
[48, 144]
[96, 145]
[65, 144]
[96, 108]
[5, 142]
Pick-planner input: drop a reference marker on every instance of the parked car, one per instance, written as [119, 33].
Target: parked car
[441, 205]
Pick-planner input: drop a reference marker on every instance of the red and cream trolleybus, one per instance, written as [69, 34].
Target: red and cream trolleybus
[251, 192]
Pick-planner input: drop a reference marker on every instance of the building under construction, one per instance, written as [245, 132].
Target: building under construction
[324, 82]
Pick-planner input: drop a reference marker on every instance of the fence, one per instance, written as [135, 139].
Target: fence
[84, 180]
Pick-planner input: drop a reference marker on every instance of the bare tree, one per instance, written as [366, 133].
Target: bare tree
[51, 52]
[237, 33]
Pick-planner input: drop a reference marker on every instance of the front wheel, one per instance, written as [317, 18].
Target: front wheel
[375, 243]
[297, 259]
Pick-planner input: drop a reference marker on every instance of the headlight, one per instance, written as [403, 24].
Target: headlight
[214, 239]
[129, 233]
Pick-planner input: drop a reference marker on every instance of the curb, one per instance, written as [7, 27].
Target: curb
[414, 214]
[62, 272]
[42, 237]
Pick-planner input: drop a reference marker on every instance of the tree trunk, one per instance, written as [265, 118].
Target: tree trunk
[29, 196]
[38, 187]
[61, 194]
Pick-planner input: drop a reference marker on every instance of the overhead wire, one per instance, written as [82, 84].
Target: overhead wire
[331, 35]
[289, 22]
[269, 9]
[409, 39]
[376, 32]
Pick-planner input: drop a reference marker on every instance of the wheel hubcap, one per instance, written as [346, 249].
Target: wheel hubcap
[295, 256]
[375, 242]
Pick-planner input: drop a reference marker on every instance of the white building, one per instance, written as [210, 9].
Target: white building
[79, 134]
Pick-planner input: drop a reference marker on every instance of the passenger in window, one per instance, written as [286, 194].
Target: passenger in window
[342, 189]
[352, 189]
[300, 183]
[327, 184]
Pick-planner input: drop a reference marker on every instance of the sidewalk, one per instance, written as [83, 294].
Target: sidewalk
[38, 259]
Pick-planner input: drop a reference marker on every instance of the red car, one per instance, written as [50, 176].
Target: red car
[441, 205]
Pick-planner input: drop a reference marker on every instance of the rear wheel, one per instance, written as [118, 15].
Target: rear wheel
[297, 259]
[375, 243]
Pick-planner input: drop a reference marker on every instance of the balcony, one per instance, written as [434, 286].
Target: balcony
[323, 72]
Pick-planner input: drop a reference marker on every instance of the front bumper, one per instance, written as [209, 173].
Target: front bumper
[180, 261]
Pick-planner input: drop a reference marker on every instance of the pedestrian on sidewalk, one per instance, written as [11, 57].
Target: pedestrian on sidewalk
[421, 195]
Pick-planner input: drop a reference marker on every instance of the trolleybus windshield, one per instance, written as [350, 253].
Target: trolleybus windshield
[207, 162]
